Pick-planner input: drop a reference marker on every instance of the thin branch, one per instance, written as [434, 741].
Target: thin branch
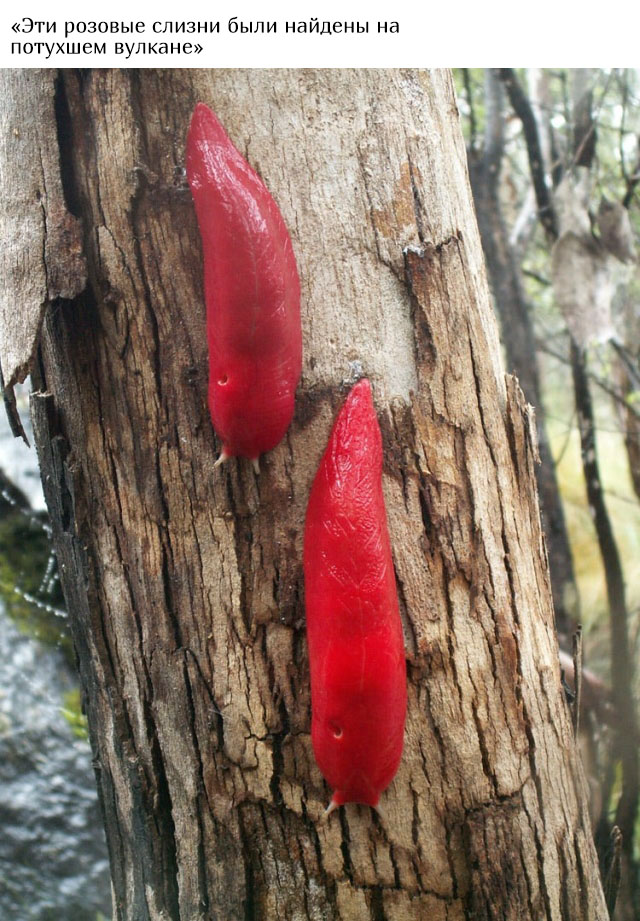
[39, 603]
[619, 497]
[585, 133]
[577, 677]
[612, 873]
[632, 181]
[621, 665]
[557, 165]
[32, 517]
[607, 388]
[624, 90]
[567, 441]
[629, 363]
[518, 336]
[546, 282]
[522, 108]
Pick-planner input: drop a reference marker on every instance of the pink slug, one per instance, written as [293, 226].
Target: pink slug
[252, 294]
[354, 632]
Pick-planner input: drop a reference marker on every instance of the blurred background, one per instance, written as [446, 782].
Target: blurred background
[554, 161]
[53, 855]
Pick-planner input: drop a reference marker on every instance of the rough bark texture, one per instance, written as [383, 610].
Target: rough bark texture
[41, 255]
[185, 583]
[519, 342]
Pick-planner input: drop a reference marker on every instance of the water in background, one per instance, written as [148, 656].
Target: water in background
[53, 859]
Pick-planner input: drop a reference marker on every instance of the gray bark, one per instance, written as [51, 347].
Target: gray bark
[184, 583]
[41, 257]
[520, 345]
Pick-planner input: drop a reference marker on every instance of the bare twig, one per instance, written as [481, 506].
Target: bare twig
[577, 676]
[621, 664]
[629, 363]
[616, 395]
[632, 181]
[624, 91]
[611, 881]
[522, 108]
[518, 335]
[567, 440]
[546, 282]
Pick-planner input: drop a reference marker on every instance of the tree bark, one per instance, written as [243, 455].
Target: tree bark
[184, 583]
[621, 660]
[34, 220]
[520, 346]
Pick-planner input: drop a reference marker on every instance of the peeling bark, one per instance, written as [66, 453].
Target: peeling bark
[41, 258]
[184, 584]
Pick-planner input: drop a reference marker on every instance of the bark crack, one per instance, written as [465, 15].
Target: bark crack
[418, 206]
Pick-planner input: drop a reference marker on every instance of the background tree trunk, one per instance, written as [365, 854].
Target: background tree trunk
[520, 345]
[184, 584]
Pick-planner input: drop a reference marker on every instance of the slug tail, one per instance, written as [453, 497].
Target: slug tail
[381, 813]
[224, 455]
[333, 805]
[256, 465]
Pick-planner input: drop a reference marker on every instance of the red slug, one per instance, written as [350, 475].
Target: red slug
[354, 632]
[252, 294]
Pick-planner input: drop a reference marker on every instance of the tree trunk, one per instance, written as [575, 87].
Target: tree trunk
[520, 346]
[628, 382]
[184, 583]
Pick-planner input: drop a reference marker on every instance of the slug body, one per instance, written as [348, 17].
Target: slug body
[252, 293]
[354, 632]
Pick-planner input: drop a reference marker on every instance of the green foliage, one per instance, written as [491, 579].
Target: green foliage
[613, 175]
[624, 511]
[616, 112]
[469, 90]
[72, 712]
[25, 553]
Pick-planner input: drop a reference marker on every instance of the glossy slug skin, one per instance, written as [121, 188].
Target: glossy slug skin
[252, 293]
[354, 632]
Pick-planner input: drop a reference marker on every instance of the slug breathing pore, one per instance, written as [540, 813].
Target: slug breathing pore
[354, 631]
[252, 294]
